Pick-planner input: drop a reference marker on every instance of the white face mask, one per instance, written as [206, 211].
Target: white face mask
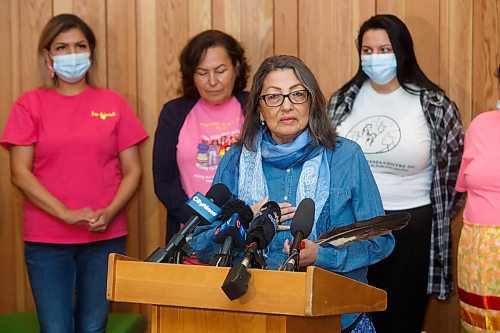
[71, 67]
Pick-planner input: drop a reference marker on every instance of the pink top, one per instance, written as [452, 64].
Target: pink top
[76, 140]
[479, 173]
[207, 134]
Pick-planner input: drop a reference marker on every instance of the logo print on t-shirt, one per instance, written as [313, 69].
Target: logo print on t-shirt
[102, 115]
[213, 153]
[376, 134]
[210, 151]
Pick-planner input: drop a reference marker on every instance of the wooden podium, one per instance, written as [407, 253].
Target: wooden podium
[189, 299]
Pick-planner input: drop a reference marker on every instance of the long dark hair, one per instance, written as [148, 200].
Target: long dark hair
[408, 70]
[196, 48]
[319, 126]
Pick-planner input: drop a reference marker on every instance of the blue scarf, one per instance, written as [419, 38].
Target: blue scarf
[314, 180]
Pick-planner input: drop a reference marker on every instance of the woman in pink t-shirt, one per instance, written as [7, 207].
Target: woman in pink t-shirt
[478, 254]
[74, 155]
[194, 129]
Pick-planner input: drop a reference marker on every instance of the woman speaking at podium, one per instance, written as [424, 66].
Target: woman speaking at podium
[288, 152]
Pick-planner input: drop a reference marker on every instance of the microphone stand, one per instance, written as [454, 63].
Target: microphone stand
[223, 258]
[291, 264]
[175, 250]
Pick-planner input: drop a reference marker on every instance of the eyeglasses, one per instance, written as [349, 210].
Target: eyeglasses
[295, 97]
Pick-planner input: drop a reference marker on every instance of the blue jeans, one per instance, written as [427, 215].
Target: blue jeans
[69, 284]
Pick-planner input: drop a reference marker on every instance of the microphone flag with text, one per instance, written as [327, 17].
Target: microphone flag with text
[300, 228]
[231, 233]
[206, 209]
[260, 234]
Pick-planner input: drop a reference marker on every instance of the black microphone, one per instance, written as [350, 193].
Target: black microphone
[264, 225]
[236, 216]
[205, 211]
[301, 227]
[260, 234]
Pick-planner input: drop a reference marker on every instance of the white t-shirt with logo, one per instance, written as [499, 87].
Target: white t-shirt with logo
[393, 133]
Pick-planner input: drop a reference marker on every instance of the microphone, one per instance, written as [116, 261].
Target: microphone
[264, 225]
[205, 210]
[301, 227]
[232, 232]
[260, 234]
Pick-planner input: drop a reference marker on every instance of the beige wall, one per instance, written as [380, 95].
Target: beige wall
[457, 44]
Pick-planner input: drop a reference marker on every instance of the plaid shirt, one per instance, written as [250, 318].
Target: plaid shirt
[447, 139]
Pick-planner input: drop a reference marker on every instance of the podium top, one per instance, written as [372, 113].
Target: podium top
[316, 292]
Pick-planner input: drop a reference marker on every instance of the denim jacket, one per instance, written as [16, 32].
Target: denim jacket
[353, 197]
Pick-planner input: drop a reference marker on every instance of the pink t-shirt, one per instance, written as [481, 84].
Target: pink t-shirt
[76, 140]
[479, 173]
[207, 134]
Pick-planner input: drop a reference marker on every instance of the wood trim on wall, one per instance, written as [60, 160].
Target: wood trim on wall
[139, 41]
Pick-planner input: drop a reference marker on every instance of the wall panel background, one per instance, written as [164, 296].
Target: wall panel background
[456, 41]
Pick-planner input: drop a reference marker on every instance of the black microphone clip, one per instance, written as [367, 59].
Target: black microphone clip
[236, 283]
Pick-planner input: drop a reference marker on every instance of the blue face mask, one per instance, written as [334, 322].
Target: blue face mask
[71, 67]
[381, 68]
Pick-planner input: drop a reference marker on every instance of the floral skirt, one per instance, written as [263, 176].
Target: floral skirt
[363, 325]
[479, 278]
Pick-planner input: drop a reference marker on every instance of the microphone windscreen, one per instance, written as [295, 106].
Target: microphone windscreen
[271, 207]
[219, 194]
[304, 218]
[263, 227]
[241, 208]
[269, 229]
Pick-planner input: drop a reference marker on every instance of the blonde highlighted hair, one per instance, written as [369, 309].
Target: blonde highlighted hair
[55, 26]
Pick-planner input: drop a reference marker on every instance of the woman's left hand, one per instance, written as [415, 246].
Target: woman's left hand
[101, 220]
[308, 253]
[131, 170]
[287, 212]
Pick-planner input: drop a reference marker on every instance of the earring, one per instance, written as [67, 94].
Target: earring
[51, 71]
[262, 122]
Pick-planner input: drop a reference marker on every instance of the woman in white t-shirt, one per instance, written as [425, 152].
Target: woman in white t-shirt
[412, 137]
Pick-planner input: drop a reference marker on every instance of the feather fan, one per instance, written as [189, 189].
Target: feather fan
[364, 230]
